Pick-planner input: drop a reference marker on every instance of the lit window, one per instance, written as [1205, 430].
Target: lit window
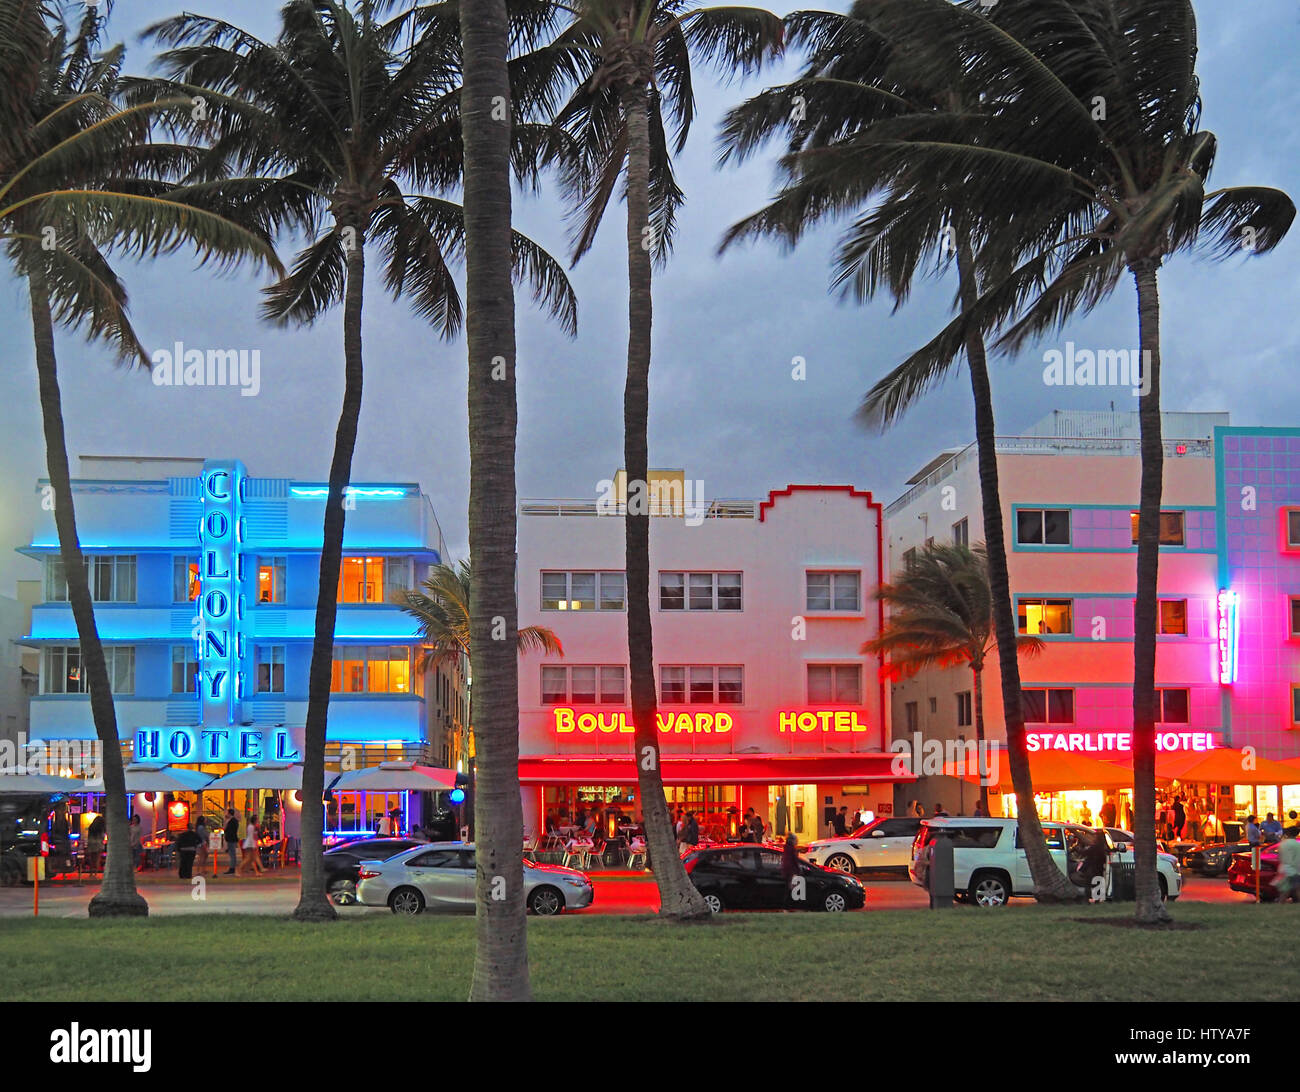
[1046, 616]
[65, 673]
[185, 579]
[578, 591]
[371, 579]
[1173, 617]
[270, 580]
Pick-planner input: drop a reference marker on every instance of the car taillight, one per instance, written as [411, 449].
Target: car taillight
[690, 864]
[366, 874]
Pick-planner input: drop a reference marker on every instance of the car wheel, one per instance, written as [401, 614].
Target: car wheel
[343, 892]
[989, 889]
[546, 901]
[406, 900]
[714, 904]
[835, 902]
[842, 862]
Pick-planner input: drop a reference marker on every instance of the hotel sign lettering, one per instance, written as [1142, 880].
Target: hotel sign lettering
[1117, 741]
[222, 653]
[217, 744]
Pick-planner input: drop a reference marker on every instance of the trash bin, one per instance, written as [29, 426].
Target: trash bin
[1123, 879]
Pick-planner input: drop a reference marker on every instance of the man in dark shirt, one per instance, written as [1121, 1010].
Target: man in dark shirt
[840, 821]
[232, 840]
[187, 844]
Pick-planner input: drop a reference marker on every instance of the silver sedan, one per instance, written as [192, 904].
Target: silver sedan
[440, 876]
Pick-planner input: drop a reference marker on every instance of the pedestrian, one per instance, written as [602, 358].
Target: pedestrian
[95, 843]
[840, 821]
[136, 836]
[1128, 815]
[251, 861]
[759, 831]
[856, 820]
[1108, 814]
[1180, 817]
[939, 810]
[231, 835]
[201, 829]
[1288, 868]
[1253, 835]
[1270, 828]
[385, 825]
[1094, 867]
[979, 812]
[187, 845]
[1085, 815]
[680, 822]
[789, 869]
[689, 838]
[1192, 829]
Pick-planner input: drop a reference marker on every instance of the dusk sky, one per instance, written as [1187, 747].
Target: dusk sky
[724, 406]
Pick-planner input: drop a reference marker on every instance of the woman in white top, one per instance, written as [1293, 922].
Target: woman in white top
[252, 857]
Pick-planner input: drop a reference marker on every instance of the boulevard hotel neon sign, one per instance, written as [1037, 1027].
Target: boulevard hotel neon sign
[224, 653]
[703, 722]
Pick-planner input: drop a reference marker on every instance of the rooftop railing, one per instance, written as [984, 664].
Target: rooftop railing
[718, 509]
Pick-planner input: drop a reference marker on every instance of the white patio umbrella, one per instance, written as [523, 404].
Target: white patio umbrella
[396, 777]
[143, 777]
[268, 775]
[19, 780]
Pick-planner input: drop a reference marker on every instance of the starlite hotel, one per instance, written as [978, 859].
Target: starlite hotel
[205, 582]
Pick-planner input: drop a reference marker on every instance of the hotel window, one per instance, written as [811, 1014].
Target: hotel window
[586, 685]
[1293, 528]
[961, 533]
[1173, 617]
[1295, 616]
[911, 715]
[1046, 616]
[1171, 528]
[1048, 706]
[374, 669]
[964, 709]
[833, 591]
[700, 591]
[185, 668]
[909, 560]
[270, 669]
[1043, 526]
[373, 579]
[701, 685]
[64, 673]
[584, 591]
[185, 579]
[270, 579]
[111, 578]
[1172, 706]
[838, 684]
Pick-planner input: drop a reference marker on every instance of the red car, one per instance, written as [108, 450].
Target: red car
[1241, 873]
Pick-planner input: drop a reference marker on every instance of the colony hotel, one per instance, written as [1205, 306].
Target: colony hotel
[205, 582]
[759, 608]
[1228, 644]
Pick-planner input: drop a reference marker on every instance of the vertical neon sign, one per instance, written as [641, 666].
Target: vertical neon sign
[1227, 632]
[221, 651]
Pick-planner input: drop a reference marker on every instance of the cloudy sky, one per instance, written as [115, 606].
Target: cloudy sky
[724, 406]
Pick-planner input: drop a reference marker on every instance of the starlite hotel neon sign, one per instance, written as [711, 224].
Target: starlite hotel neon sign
[223, 650]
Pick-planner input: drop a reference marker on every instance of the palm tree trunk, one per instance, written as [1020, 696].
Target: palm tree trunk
[313, 903]
[501, 955]
[678, 897]
[977, 686]
[1149, 907]
[117, 896]
[1050, 883]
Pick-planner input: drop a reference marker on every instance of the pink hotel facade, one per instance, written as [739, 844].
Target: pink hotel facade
[1230, 524]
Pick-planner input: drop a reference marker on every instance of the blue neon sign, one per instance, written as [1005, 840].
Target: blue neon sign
[223, 652]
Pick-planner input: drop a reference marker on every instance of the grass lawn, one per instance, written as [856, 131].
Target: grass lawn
[1234, 953]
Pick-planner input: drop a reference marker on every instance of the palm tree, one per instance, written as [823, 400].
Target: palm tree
[1098, 118]
[501, 955]
[80, 180]
[442, 611]
[631, 63]
[860, 90]
[335, 128]
[941, 615]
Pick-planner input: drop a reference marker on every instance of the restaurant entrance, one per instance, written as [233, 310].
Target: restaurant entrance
[793, 808]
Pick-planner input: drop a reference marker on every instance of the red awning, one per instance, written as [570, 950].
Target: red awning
[712, 769]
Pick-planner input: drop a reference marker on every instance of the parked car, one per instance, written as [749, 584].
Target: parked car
[884, 843]
[1241, 873]
[342, 863]
[990, 867]
[1169, 865]
[748, 877]
[1213, 859]
[440, 876]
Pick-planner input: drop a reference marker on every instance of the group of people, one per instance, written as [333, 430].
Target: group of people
[916, 810]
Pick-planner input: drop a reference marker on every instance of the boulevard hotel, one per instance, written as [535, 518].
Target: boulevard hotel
[759, 608]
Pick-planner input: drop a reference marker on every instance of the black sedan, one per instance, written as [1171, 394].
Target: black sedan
[1213, 859]
[748, 877]
[342, 863]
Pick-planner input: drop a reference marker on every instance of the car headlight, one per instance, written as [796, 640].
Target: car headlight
[575, 881]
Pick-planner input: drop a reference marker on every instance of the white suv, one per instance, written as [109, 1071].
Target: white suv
[884, 843]
[990, 867]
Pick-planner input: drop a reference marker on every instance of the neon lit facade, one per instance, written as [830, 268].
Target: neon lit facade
[760, 608]
[209, 618]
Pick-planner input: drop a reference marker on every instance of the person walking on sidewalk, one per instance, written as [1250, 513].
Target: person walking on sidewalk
[231, 834]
